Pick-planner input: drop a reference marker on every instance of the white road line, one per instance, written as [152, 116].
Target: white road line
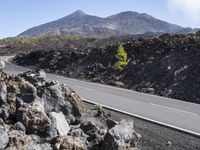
[82, 87]
[123, 90]
[134, 115]
[147, 119]
[7, 59]
[161, 106]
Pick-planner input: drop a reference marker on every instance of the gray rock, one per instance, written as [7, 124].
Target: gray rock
[60, 123]
[2, 65]
[75, 100]
[53, 98]
[57, 98]
[44, 146]
[1, 121]
[27, 87]
[29, 98]
[4, 139]
[79, 134]
[110, 123]
[95, 131]
[34, 76]
[3, 92]
[19, 140]
[19, 126]
[121, 137]
[4, 112]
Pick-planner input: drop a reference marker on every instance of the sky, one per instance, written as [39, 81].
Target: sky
[18, 15]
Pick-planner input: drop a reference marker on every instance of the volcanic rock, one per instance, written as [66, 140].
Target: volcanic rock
[121, 137]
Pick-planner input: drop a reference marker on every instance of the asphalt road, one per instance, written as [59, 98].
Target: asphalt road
[173, 113]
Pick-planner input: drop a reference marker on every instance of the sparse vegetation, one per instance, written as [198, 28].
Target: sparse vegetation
[100, 111]
[122, 58]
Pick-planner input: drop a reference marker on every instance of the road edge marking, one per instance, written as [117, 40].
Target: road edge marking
[145, 119]
[171, 108]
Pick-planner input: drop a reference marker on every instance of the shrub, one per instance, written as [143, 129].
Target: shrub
[100, 111]
[122, 59]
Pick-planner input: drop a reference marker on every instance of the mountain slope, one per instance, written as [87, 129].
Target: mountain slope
[136, 23]
[125, 23]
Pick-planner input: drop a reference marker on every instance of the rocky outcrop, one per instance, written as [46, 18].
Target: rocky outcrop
[41, 115]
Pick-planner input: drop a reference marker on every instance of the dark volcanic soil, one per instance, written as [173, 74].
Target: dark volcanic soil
[167, 66]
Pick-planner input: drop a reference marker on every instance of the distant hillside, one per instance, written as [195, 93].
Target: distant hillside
[125, 23]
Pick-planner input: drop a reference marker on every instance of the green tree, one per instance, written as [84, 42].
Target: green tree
[122, 58]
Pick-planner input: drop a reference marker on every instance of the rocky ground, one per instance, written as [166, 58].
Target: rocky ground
[40, 115]
[167, 65]
[156, 137]
[37, 115]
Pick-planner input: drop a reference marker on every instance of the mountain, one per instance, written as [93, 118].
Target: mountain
[125, 23]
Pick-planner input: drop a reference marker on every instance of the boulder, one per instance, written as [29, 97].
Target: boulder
[19, 126]
[68, 143]
[28, 88]
[3, 92]
[19, 140]
[58, 98]
[43, 146]
[34, 76]
[110, 123]
[71, 96]
[4, 139]
[95, 131]
[79, 134]
[121, 137]
[4, 112]
[53, 97]
[2, 65]
[59, 122]
[34, 119]
[29, 99]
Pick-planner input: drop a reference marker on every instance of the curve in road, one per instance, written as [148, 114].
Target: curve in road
[176, 114]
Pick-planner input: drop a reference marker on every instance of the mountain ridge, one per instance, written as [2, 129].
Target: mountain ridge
[123, 23]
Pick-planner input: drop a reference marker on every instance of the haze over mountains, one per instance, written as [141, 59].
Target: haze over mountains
[124, 23]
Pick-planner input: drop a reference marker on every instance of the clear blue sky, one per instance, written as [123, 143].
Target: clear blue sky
[19, 15]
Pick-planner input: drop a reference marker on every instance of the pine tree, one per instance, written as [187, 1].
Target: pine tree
[122, 59]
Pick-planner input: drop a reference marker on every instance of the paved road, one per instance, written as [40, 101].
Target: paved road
[174, 113]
